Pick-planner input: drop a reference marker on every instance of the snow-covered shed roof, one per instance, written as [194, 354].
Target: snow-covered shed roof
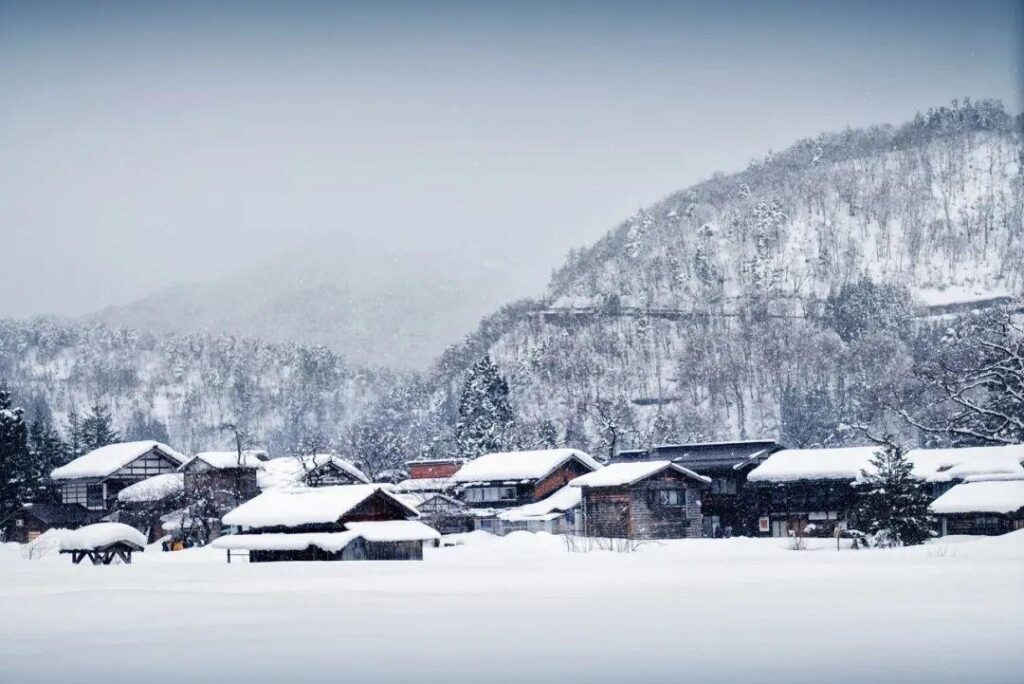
[424, 484]
[153, 488]
[982, 497]
[621, 474]
[393, 530]
[101, 534]
[520, 465]
[111, 458]
[292, 506]
[563, 500]
[289, 471]
[790, 465]
[229, 459]
[943, 465]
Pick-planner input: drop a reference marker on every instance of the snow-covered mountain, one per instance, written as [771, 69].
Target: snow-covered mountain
[374, 304]
[700, 316]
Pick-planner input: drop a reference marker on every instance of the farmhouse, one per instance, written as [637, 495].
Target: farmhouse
[798, 491]
[642, 500]
[340, 522]
[445, 514]
[32, 519]
[95, 479]
[983, 507]
[727, 464]
[495, 482]
[228, 476]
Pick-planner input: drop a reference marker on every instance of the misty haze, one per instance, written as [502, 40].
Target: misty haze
[592, 330]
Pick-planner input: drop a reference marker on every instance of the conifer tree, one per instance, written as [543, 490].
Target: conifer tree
[15, 459]
[97, 430]
[894, 503]
[485, 415]
[48, 452]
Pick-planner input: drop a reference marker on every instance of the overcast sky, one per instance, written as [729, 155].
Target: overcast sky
[147, 145]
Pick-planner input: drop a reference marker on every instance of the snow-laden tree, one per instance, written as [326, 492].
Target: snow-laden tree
[16, 471]
[893, 506]
[97, 429]
[485, 417]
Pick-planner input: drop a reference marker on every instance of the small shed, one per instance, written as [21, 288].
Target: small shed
[987, 507]
[103, 543]
[341, 522]
[31, 520]
[642, 500]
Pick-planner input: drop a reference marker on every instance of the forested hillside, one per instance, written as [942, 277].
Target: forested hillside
[787, 300]
[742, 305]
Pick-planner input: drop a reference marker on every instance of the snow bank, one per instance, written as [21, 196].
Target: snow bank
[621, 474]
[106, 460]
[305, 505]
[100, 535]
[153, 488]
[982, 497]
[790, 465]
[519, 465]
[393, 530]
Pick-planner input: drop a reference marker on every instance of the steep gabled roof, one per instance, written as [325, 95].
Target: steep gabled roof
[514, 466]
[293, 506]
[290, 471]
[622, 474]
[107, 460]
[221, 460]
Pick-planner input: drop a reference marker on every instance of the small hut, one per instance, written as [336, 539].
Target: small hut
[103, 543]
[342, 522]
[988, 507]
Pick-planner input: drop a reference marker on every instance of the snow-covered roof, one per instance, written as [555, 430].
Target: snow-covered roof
[289, 471]
[281, 541]
[229, 459]
[424, 484]
[551, 507]
[393, 530]
[153, 488]
[790, 465]
[982, 497]
[621, 474]
[520, 465]
[111, 458]
[100, 535]
[292, 506]
[943, 465]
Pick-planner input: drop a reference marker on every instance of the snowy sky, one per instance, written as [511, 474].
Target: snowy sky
[151, 144]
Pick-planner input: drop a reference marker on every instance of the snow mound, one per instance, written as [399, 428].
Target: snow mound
[100, 535]
[153, 488]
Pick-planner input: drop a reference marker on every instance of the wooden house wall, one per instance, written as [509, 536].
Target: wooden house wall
[633, 511]
[547, 486]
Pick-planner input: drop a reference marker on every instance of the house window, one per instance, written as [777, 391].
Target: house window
[94, 496]
[671, 497]
[723, 485]
[73, 494]
[490, 494]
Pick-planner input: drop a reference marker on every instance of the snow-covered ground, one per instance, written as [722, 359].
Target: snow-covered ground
[524, 609]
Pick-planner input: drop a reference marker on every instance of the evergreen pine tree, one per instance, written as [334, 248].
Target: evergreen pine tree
[48, 452]
[15, 460]
[97, 430]
[485, 414]
[74, 433]
[894, 503]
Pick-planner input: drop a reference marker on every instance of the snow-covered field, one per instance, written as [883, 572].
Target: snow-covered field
[524, 609]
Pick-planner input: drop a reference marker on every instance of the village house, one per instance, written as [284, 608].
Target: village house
[145, 504]
[987, 507]
[495, 482]
[30, 520]
[339, 522]
[225, 478]
[727, 464]
[808, 491]
[430, 475]
[319, 470]
[642, 500]
[95, 479]
[444, 513]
